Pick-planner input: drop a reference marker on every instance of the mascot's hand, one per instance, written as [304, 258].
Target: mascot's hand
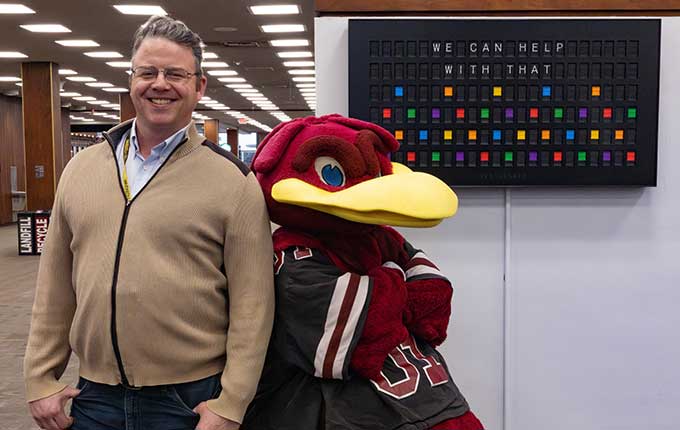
[429, 309]
[384, 328]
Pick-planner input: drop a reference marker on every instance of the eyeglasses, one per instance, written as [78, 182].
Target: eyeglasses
[172, 74]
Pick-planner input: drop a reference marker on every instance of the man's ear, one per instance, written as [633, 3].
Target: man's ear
[201, 84]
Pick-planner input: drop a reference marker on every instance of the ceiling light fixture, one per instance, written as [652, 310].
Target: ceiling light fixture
[12, 54]
[120, 64]
[78, 43]
[104, 54]
[15, 9]
[298, 63]
[282, 28]
[81, 79]
[135, 9]
[64, 72]
[45, 28]
[222, 72]
[214, 64]
[116, 90]
[84, 98]
[232, 79]
[305, 85]
[9, 79]
[239, 86]
[69, 94]
[209, 55]
[304, 79]
[275, 9]
[289, 42]
[99, 84]
[302, 72]
[294, 54]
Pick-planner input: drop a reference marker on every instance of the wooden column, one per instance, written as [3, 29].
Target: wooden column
[41, 107]
[232, 140]
[127, 109]
[212, 130]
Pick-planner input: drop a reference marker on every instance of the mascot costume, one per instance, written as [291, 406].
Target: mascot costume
[359, 311]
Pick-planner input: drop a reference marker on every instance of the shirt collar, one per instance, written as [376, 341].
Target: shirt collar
[161, 146]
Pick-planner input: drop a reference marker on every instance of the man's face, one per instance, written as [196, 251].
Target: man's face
[164, 105]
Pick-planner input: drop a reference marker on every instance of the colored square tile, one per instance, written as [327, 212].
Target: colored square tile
[521, 134]
[630, 156]
[448, 134]
[411, 156]
[618, 135]
[582, 113]
[448, 91]
[472, 134]
[460, 113]
[422, 135]
[387, 113]
[399, 134]
[484, 156]
[606, 156]
[557, 156]
[460, 156]
[607, 113]
[559, 113]
[570, 134]
[547, 90]
[508, 156]
[632, 113]
[436, 113]
[496, 135]
[411, 113]
[435, 156]
[533, 113]
[484, 113]
[595, 91]
[582, 156]
[545, 134]
[509, 113]
[398, 91]
[497, 91]
[533, 156]
[594, 134]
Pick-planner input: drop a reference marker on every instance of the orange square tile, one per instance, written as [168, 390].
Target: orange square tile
[595, 91]
[399, 134]
[618, 135]
[448, 91]
[472, 134]
[545, 134]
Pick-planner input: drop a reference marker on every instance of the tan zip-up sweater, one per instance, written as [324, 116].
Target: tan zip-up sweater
[161, 290]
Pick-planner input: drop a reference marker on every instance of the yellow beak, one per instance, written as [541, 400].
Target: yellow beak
[404, 198]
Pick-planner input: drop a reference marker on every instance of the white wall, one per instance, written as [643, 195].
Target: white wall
[583, 333]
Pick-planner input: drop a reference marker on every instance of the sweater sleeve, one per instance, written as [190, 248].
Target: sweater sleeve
[250, 283]
[48, 349]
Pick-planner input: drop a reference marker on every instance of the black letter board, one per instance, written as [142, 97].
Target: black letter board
[513, 102]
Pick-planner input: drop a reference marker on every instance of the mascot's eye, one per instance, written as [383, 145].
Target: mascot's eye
[330, 171]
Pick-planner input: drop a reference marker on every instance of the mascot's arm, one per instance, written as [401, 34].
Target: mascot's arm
[429, 298]
[332, 320]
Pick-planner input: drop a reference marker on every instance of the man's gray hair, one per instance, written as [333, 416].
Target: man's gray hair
[173, 30]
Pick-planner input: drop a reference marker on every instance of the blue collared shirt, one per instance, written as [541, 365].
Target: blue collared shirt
[139, 169]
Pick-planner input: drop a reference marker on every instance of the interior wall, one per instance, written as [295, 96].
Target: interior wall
[11, 153]
[564, 308]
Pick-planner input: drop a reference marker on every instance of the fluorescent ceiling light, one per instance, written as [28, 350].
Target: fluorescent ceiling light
[282, 28]
[116, 90]
[289, 42]
[12, 54]
[257, 98]
[231, 80]
[214, 64]
[121, 64]
[65, 72]
[305, 85]
[294, 54]
[19, 84]
[209, 55]
[15, 8]
[9, 79]
[302, 71]
[222, 72]
[98, 102]
[69, 94]
[78, 43]
[104, 54]
[304, 79]
[239, 86]
[84, 98]
[298, 63]
[275, 9]
[112, 105]
[81, 79]
[245, 90]
[269, 108]
[307, 90]
[46, 28]
[99, 84]
[134, 9]
[205, 98]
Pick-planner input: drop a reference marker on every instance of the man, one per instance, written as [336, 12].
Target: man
[157, 267]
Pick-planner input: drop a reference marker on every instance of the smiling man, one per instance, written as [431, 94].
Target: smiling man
[156, 272]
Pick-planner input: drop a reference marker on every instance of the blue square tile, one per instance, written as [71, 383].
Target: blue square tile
[570, 134]
[546, 91]
[398, 91]
[423, 135]
[496, 135]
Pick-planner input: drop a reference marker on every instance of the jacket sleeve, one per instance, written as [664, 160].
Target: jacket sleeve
[48, 350]
[250, 285]
[429, 298]
[328, 319]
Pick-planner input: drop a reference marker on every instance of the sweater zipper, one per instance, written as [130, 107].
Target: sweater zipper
[119, 249]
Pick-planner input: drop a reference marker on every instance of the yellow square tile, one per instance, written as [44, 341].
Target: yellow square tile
[399, 134]
[618, 135]
[545, 134]
[594, 134]
[595, 91]
[497, 91]
[521, 134]
[448, 134]
[448, 91]
[472, 134]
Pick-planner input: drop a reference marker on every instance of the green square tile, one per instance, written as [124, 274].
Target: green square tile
[559, 112]
[435, 156]
[582, 156]
[508, 156]
[632, 113]
[484, 113]
[411, 113]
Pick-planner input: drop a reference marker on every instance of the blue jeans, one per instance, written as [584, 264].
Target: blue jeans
[163, 407]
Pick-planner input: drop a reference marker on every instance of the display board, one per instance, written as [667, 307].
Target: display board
[513, 102]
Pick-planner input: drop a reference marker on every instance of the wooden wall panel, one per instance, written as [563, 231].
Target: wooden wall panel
[212, 130]
[127, 109]
[65, 139]
[11, 153]
[396, 7]
[232, 140]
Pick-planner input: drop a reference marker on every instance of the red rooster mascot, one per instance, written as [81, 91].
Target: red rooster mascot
[359, 310]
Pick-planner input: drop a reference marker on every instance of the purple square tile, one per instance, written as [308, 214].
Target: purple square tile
[606, 156]
[583, 113]
[509, 113]
[460, 156]
[436, 113]
[533, 156]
